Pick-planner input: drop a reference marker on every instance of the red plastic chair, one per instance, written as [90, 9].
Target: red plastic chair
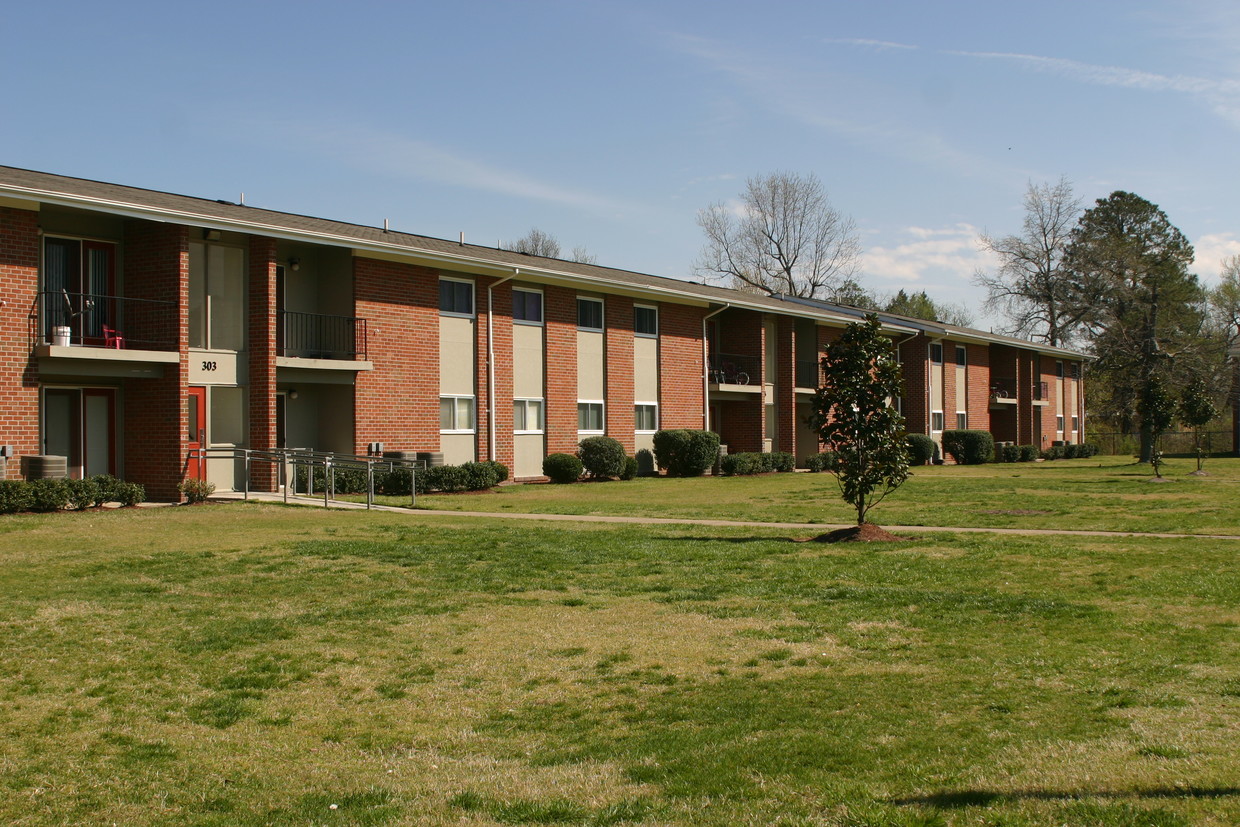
[112, 338]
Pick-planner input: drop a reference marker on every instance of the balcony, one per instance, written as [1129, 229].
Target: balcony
[318, 336]
[807, 373]
[1002, 393]
[89, 320]
[730, 371]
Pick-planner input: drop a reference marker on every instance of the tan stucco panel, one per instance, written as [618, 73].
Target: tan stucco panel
[456, 355]
[527, 362]
[589, 365]
[645, 369]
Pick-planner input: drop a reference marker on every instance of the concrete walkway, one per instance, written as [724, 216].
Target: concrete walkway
[814, 528]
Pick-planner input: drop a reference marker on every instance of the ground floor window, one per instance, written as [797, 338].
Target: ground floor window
[936, 421]
[646, 417]
[527, 416]
[456, 414]
[80, 425]
[1059, 423]
[590, 417]
[962, 420]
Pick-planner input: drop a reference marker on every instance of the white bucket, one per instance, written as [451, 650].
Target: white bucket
[60, 335]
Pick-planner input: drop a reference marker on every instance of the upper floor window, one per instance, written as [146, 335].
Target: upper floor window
[217, 296]
[456, 297]
[527, 306]
[646, 417]
[78, 281]
[645, 320]
[527, 416]
[936, 420]
[456, 414]
[590, 314]
[936, 353]
[1059, 369]
[590, 417]
[961, 355]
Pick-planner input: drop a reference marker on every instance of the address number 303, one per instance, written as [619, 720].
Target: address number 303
[210, 365]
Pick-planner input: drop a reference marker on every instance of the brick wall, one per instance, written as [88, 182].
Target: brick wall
[915, 360]
[397, 403]
[156, 261]
[560, 319]
[501, 297]
[19, 373]
[618, 363]
[262, 347]
[785, 384]
[978, 386]
[681, 372]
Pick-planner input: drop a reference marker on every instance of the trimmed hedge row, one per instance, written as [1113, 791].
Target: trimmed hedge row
[468, 476]
[685, 453]
[1082, 450]
[49, 495]
[745, 464]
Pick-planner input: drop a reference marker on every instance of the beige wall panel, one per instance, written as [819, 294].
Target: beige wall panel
[527, 362]
[962, 390]
[641, 441]
[456, 355]
[527, 455]
[589, 365]
[645, 368]
[457, 448]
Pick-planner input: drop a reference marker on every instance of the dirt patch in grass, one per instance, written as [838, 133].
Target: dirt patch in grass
[864, 533]
[1017, 512]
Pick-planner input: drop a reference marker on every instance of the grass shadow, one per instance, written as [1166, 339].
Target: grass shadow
[956, 799]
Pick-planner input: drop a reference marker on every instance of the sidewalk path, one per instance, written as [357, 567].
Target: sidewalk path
[817, 528]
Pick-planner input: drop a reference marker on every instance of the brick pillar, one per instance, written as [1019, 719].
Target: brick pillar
[560, 315]
[681, 369]
[156, 454]
[618, 364]
[501, 330]
[915, 359]
[19, 333]
[785, 384]
[262, 346]
[978, 386]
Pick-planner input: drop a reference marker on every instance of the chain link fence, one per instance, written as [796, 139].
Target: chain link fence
[1178, 442]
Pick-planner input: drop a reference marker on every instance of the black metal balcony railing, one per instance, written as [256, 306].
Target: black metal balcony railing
[807, 373]
[732, 369]
[1041, 392]
[95, 320]
[317, 336]
[1006, 389]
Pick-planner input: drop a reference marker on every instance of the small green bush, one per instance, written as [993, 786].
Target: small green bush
[1071, 451]
[783, 462]
[395, 482]
[601, 456]
[130, 493]
[1028, 453]
[1053, 452]
[969, 447]
[741, 465]
[820, 462]
[562, 468]
[196, 490]
[449, 478]
[105, 488]
[1011, 452]
[630, 468]
[479, 476]
[345, 479]
[14, 496]
[686, 453]
[921, 449]
[48, 495]
[500, 469]
[81, 493]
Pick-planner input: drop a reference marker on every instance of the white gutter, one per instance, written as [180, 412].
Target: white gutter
[491, 361]
[706, 368]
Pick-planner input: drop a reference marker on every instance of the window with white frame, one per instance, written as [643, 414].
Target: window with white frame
[1059, 370]
[1076, 423]
[527, 306]
[589, 314]
[961, 355]
[936, 420]
[456, 414]
[1059, 423]
[527, 416]
[590, 417]
[962, 420]
[936, 353]
[645, 320]
[456, 297]
[646, 417]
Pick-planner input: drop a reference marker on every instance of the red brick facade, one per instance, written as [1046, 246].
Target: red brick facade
[19, 372]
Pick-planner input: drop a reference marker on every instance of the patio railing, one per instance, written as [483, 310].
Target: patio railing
[319, 336]
[96, 320]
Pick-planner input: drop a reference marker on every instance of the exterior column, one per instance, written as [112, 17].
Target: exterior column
[264, 476]
[618, 363]
[19, 377]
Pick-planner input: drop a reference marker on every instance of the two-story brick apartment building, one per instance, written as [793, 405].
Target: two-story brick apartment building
[141, 325]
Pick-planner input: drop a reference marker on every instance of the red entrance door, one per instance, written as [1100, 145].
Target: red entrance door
[196, 431]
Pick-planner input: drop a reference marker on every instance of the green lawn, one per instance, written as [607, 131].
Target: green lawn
[1107, 493]
[253, 664]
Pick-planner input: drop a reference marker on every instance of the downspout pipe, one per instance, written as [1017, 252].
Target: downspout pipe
[491, 361]
[706, 367]
[898, 345]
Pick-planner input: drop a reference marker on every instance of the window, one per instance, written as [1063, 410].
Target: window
[936, 421]
[590, 314]
[1059, 369]
[527, 306]
[78, 286]
[961, 355]
[456, 297]
[962, 420]
[1059, 424]
[456, 414]
[1076, 370]
[645, 320]
[217, 296]
[590, 417]
[936, 353]
[527, 416]
[646, 417]
[1076, 423]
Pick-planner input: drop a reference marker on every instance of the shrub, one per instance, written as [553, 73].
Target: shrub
[630, 468]
[1011, 452]
[196, 490]
[345, 479]
[1028, 453]
[645, 462]
[742, 464]
[968, 447]
[105, 488]
[601, 456]
[1053, 452]
[130, 493]
[686, 453]
[500, 469]
[48, 495]
[1070, 451]
[14, 496]
[1090, 448]
[820, 462]
[783, 461]
[921, 449]
[81, 493]
[562, 468]
[479, 476]
[449, 478]
[396, 482]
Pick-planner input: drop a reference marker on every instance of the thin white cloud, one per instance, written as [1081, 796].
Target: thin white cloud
[1223, 96]
[1210, 251]
[864, 41]
[931, 256]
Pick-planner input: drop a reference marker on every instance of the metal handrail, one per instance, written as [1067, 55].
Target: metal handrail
[142, 324]
[319, 335]
[283, 458]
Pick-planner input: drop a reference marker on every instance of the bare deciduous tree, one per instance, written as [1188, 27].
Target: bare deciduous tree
[784, 237]
[1032, 287]
[538, 243]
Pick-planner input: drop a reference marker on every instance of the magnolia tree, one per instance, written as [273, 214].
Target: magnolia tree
[855, 417]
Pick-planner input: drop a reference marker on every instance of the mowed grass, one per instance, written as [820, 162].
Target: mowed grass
[254, 665]
[1103, 493]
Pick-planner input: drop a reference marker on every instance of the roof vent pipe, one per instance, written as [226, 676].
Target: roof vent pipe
[385, 225]
[462, 238]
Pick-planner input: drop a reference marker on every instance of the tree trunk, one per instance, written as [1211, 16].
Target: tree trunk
[1147, 445]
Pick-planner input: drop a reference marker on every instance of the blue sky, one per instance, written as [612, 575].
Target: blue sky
[610, 124]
